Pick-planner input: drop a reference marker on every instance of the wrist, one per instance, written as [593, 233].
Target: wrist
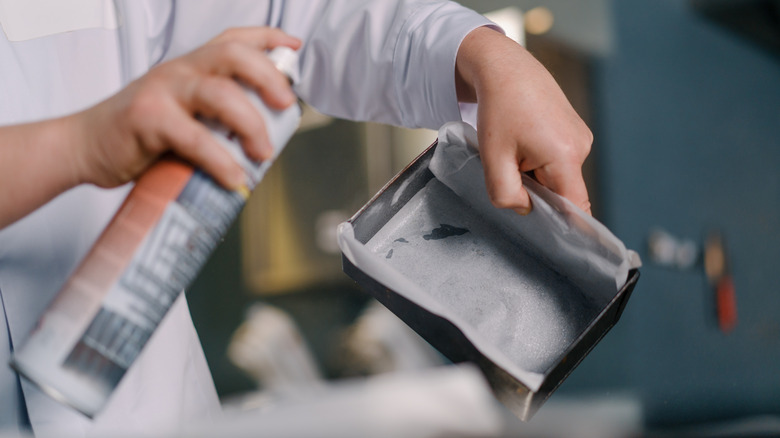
[38, 160]
[487, 59]
[474, 54]
[73, 149]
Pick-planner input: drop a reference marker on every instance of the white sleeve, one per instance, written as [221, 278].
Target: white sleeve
[385, 61]
[380, 60]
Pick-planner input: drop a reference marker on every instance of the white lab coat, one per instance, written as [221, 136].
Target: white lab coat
[386, 61]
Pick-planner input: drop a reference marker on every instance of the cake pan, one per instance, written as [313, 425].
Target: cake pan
[477, 290]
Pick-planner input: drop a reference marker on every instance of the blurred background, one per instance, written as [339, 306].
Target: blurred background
[683, 97]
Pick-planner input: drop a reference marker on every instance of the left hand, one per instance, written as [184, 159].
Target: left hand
[158, 112]
[524, 121]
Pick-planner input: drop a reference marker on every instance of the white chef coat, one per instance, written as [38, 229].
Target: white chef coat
[385, 61]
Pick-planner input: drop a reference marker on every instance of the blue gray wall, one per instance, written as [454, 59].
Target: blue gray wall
[688, 131]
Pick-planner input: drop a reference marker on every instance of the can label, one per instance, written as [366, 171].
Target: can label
[167, 260]
[151, 251]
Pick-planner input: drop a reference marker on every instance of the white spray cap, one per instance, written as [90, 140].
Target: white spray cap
[286, 61]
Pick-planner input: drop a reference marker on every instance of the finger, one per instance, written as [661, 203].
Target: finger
[253, 68]
[263, 38]
[566, 180]
[258, 72]
[193, 142]
[223, 99]
[502, 175]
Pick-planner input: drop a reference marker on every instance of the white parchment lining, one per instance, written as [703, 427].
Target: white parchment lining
[522, 322]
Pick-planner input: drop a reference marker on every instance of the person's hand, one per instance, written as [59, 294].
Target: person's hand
[116, 140]
[524, 121]
[126, 133]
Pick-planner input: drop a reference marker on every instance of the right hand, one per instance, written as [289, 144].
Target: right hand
[524, 122]
[123, 135]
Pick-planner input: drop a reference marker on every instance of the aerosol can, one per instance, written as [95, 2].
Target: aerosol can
[152, 249]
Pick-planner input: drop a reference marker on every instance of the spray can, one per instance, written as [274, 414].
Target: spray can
[152, 249]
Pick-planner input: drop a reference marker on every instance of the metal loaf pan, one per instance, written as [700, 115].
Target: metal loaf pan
[442, 333]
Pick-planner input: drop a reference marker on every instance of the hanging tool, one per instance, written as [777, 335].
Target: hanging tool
[716, 267]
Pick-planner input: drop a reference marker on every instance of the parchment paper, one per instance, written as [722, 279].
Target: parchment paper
[520, 288]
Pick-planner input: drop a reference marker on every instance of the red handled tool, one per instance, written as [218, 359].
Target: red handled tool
[716, 267]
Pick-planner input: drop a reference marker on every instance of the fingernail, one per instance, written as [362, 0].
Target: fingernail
[523, 211]
[586, 207]
[259, 150]
[266, 151]
[287, 97]
[237, 180]
[244, 191]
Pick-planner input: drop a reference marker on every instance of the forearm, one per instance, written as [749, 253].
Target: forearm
[487, 59]
[37, 163]
[467, 63]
